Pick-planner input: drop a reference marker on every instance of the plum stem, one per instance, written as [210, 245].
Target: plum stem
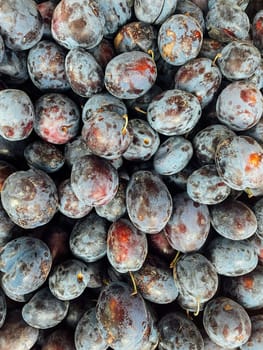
[135, 291]
[124, 129]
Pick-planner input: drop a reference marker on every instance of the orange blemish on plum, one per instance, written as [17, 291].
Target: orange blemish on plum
[197, 34]
[144, 64]
[254, 161]
[80, 277]
[200, 219]
[228, 307]
[182, 228]
[248, 282]
[259, 25]
[248, 95]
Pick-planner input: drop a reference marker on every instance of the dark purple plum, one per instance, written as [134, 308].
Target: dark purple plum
[46, 66]
[68, 279]
[205, 186]
[107, 134]
[83, 72]
[16, 333]
[88, 239]
[21, 24]
[144, 143]
[155, 13]
[69, 204]
[210, 48]
[189, 225]
[16, 114]
[13, 66]
[103, 52]
[180, 39]
[239, 161]
[44, 156]
[155, 282]
[159, 244]
[127, 247]
[200, 77]
[148, 201]
[87, 334]
[130, 74]
[116, 208]
[139, 105]
[173, 155]
[258, 210]
[3, 308]
[206, 140]
[257, 30]
[233, 219]
[77, 24]
[226, 322]
[94, 180]
[46, 9]
[226, 22]
[122, 318]
[60, 338]
[6, 226]
[44, 310]
[138, 36]
[179, 332]
[232, 258]
[25, 263]
[189, 8]
[57, 118]
[174, 112]
[29, 198]
[75, 149]
[203, 4]
[57, 241]
[246, 289]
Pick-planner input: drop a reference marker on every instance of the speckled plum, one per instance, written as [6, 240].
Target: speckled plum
[173, 155]
[205, 186]
[226, 322]
[148, 201]
[25, 263]
[44, 310]
[21, 24]
[94, 180]
[77, 23]
[46, 66]
[130, 74]
[16, 114]
[189, 225]
[200, 77]
[174, 112]
[239, 161]
[180, 39]
[83, 72]
[233, 219]
[232, 258]
[57, 118]
[30, 198]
